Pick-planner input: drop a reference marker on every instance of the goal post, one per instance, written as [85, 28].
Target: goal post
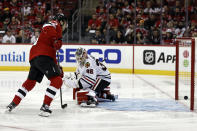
[185, 70]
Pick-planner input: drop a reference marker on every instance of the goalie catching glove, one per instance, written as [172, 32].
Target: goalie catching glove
[71, 81]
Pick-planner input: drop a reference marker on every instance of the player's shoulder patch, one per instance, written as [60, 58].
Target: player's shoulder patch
[87, 64]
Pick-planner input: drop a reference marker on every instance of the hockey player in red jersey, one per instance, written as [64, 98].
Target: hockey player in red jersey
[43, 62]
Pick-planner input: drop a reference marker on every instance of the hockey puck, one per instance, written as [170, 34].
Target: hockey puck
[185, 97]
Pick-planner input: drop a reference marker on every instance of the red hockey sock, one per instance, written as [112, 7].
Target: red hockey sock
[47, 100]
[22, 91]
[56, 83]
[17, 100]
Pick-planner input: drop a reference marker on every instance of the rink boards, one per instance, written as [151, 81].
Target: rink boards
[139, 59]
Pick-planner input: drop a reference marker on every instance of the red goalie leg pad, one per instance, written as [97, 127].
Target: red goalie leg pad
[29, 84]
[74, 92]
[56, 82]
[82, 97]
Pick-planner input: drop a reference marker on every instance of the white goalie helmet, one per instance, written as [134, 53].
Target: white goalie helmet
[81, 55]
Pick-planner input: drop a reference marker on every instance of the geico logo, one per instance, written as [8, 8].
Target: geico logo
[166, 58]
[112, 56]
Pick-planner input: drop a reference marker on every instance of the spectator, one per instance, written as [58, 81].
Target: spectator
[18, 36]
[112, 34]
[119, 4]
[26, 9]
[98, 38]
[6, 14]
[149, 8]
[39, 10]
[127, 8]
[168, 39]
[119, 15]
[113, 8]
[129, 35]
[178, 14]
[27, 32]
[194, 34]
[102, 16]
[94, 23]
[47, 16]
[1, 37]
[140, 39]
[154, 37]
[26, 38]
[158, 6]
[193, 27]
[34, 38]
[6, 22]
[31, 16]
[113, 22]
[15, 7]
[141, 28]
[180, 29]
[150, 22]
[1, 6]
[1, 14]
[14, 24]
[8, 38]
[38, 23]
[119, 38]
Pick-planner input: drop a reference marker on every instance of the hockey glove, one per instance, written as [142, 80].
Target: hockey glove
[57, 44]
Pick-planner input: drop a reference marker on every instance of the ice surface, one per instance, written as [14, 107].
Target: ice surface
[146, 103]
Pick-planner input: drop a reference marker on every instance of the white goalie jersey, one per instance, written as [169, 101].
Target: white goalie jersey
[92, 71]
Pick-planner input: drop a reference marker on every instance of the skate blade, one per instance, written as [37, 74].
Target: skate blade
[107, 100]
[7, 110]
[88, 106]
[44, 114]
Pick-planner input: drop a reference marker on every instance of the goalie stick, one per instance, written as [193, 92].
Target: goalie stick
[62, 105]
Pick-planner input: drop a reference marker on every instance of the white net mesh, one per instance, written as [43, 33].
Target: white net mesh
[185, 59]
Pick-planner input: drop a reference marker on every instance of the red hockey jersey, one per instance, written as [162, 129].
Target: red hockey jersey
[50, 34]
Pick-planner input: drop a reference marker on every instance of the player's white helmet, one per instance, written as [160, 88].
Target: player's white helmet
[81, 55]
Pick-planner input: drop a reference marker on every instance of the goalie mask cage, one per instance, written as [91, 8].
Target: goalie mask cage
[185, 71]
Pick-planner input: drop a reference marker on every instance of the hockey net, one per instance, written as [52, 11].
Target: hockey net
[185, 71]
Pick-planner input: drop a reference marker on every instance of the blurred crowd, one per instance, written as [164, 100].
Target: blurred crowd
[21, 22]
[114, 21]
[145, 23]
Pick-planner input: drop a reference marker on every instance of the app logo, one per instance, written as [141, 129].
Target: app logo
[149, 57]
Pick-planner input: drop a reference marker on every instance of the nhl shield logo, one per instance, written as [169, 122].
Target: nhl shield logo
[149, 57]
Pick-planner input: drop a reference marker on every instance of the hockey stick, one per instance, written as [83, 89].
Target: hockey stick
[62, 105]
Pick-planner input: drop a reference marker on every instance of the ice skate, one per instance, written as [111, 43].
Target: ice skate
[92, 102]
[111, 97]
[45, 111]
[10, 107]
